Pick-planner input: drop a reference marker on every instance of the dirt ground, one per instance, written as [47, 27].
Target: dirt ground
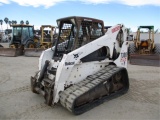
[142, 101]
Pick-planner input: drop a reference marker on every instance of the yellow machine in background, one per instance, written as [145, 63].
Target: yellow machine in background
[46, 40]
[144, 50]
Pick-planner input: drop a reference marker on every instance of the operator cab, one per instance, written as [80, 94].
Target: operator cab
[75, 32]
[21, 33]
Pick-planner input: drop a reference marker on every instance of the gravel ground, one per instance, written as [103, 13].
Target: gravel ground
[142, 101]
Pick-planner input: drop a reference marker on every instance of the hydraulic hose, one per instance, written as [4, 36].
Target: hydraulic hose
[44, 69]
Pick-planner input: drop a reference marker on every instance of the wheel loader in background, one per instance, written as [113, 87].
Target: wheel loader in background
[143, 50]
[85, 67]
[22, 37]
[24, 42]
[45, 41]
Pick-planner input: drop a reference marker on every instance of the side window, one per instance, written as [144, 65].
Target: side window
[14, 32]
[80, 32]
[66, 39]
[88, 32]
[25, 33]
[96, 30]
[65, 32]
[17, 31]
[84, 33]
[31, 31]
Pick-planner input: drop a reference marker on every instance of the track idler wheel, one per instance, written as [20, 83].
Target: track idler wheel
[116, 82]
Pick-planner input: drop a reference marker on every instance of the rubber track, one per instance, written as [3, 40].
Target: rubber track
[69, 96]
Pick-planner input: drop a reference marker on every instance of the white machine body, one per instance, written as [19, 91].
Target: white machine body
[71, 69]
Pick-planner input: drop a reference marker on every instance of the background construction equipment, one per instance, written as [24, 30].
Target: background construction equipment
[143, 50]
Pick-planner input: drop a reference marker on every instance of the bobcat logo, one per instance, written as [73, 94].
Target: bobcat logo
[77, 55]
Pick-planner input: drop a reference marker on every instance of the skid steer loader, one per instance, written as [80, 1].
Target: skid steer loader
[45, 41]
[85, 67]
[143, 50]
[22, 37]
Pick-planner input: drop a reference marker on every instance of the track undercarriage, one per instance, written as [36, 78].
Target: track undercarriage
[108, 83]
[95, 89]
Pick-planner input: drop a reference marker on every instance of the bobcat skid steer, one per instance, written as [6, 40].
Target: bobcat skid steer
[85, 67]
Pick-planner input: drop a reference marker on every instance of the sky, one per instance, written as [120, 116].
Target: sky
[131, 13]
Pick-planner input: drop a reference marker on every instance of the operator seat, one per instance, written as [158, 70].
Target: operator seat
[86, 40]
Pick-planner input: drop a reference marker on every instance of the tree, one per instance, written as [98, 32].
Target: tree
[6, 21]
[27, 22]
[22, 22]
[13, 22]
